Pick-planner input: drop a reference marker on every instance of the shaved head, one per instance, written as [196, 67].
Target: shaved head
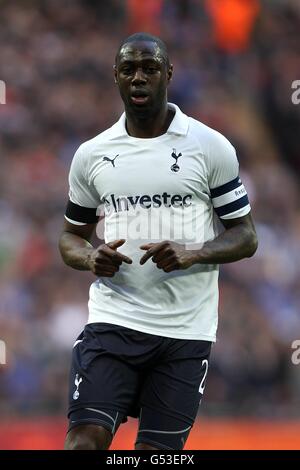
[145, 37]
[142, 72]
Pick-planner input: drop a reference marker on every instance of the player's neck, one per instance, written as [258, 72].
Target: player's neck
[147, 127]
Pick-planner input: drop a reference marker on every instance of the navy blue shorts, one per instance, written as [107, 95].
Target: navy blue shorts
[118, 372]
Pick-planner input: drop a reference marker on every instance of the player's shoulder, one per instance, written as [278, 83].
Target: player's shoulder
[95, 143]
[210, 140]
[89, 151]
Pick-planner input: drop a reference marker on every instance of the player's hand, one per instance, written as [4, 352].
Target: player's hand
[168, 256]
[106, 260]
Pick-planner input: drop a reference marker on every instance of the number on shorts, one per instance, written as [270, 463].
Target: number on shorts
[202, 383]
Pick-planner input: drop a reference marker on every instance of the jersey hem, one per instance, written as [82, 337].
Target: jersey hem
[200, 337]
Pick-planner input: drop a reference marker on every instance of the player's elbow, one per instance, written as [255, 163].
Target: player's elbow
[252, 243]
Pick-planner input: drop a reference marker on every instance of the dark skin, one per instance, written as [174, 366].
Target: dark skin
[77, 251]
[141, 69]
[143, 74]
[238, 241]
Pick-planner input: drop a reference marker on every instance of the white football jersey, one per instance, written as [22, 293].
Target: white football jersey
[163, 188]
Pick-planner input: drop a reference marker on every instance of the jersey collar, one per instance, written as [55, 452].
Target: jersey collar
[179, 124]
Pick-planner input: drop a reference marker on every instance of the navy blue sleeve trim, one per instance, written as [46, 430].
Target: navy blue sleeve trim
[226, 188]
[77, 213]
[232, 206]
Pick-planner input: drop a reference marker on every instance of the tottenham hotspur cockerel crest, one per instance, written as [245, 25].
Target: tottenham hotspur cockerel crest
[77, 382]
[175, 167]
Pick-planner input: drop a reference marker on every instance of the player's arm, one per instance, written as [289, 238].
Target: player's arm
[238, 241]
[75, 244]
[230, 202]
[77, 251]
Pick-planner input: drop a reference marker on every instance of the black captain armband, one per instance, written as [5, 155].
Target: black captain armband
[84, 215]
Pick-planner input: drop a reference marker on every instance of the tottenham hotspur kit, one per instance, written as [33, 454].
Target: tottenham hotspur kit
[162, 188]
[145, 350]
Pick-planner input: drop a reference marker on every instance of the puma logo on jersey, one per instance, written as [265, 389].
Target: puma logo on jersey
[112, 161]
[175, 167]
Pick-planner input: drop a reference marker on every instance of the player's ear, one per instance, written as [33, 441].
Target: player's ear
[115, 74]
[170, 73]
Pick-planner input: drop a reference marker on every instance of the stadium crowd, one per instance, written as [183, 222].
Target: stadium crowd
[56, 61]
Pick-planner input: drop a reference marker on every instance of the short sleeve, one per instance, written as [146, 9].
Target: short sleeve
[228, 194]
[83, 198]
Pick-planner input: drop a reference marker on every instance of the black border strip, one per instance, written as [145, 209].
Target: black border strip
[77, 213]
[232, 206]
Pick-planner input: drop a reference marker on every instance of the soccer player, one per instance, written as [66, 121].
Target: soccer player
[153, 307]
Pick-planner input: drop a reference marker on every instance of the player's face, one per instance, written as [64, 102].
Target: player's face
[142, 77]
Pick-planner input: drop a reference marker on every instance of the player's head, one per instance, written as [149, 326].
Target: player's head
[142, 73]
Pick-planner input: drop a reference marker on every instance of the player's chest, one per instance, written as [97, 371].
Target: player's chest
[149, 169]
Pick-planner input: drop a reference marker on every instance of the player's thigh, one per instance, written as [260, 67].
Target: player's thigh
[172, 393]
[88, 437]
[92, 428]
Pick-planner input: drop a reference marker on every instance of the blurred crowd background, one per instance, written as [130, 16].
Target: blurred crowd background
[234, 61]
